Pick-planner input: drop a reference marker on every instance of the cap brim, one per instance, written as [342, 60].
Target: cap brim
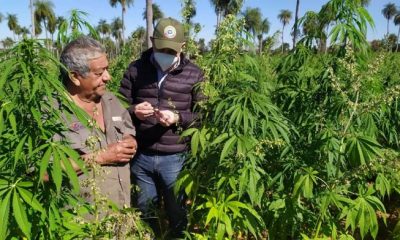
[163, 43]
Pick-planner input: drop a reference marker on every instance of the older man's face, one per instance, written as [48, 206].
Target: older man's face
[94, 84]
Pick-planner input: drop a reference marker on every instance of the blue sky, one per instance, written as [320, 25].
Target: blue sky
[101, 9]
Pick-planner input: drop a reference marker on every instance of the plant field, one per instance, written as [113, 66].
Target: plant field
[303, 144]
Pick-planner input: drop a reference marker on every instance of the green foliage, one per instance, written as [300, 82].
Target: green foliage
[343, 108]
[308, 141]
[351, 22]
[302, 146]
[38, 185]
[29, 121]
[239, 129]
[118, 65]
[74, 27]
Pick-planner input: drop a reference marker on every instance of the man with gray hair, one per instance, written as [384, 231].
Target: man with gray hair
[109, 140]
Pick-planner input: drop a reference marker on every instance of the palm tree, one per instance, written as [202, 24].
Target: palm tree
[104, 28]
[264, 29]
[396, 21]
[38, 28]
[311, 26]
[296, 22]
[32, 19]
[59, 21]
[255, 25]
[202, 45]
[116, 31]
[225, 7]
[284, 16]
[157, 14]
[392, 40]
[12, 23]
[253, 20]
[124, 5]
[388, 12]
[7, 42]
[18, 31]
[188, 11]
[116, 28]
[233, 7]
[140, 34]
[1, 17]
[149, 22]
[326, 16]
[217, 9]
[22, 31]
[44, 14]
[52, 26]
[365, 3]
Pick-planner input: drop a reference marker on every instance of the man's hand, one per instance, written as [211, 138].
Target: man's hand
[120, 152]
[166, 117]
[144, 110]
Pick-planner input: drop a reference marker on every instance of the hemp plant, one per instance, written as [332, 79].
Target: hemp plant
[38, 185]
[32, 206]
[240, 130]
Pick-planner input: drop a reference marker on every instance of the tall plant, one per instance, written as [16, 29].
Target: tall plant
[38, 185]
[224, 177]
[339, 106]
[74, 26]
[30, 207]
[351, 21]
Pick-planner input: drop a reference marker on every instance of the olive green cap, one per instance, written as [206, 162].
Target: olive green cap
[168, 33]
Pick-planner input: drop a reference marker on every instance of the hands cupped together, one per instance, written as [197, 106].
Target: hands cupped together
[120, 152]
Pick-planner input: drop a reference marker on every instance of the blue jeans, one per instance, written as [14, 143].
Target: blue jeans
[155, 174]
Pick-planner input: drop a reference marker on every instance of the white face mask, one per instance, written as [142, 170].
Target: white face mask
[165, 61]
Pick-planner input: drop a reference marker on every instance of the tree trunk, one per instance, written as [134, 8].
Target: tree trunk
[218, 19]
[387, 33]
[123, 25]
[51, 43]
[32, 19]
[398, 35]
[45, 31]
[322, 48]
[149, 22]
[283, 30]
[296, 21]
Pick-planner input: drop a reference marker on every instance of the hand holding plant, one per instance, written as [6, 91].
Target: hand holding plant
[143, 110]
[166, 117]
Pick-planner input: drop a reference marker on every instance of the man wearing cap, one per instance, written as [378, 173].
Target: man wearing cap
[161, 89]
